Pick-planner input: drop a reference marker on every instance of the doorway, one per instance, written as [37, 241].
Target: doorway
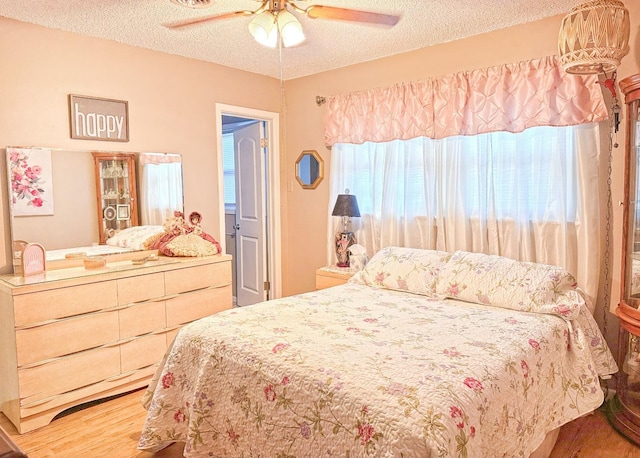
[248, 178]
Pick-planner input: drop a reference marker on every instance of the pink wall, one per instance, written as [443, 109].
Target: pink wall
[171, 104]
[171, 108]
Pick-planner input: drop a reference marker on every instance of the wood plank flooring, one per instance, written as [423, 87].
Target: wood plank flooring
[111, 430]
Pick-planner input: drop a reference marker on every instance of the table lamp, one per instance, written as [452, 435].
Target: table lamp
[347, 207]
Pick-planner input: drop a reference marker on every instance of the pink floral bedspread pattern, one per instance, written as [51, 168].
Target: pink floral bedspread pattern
[358, 371]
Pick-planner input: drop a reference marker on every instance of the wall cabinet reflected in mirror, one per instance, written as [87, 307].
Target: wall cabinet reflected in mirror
[117, 201]
[309, 169]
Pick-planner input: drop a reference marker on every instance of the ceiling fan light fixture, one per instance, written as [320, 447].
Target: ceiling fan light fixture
[194, 3]
[264, 30]
[290, 29]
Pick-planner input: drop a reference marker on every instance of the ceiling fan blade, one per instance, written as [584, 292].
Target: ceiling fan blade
[343, 14]
[201, 20]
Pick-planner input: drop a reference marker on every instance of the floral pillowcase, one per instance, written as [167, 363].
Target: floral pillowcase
[504, 282]
[404, 269]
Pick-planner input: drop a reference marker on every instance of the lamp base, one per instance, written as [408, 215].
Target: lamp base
[343, 241]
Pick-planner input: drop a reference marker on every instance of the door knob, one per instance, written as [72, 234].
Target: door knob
[236, 227]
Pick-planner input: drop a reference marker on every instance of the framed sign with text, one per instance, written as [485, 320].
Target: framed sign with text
[94, 118]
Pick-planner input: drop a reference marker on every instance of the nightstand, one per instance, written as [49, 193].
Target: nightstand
[326, 277]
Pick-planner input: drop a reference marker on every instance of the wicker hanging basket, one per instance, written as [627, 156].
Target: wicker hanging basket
[594, 37]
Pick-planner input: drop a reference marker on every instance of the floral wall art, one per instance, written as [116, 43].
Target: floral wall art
[31, 181]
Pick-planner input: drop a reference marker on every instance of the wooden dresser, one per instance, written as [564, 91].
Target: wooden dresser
[74, 335]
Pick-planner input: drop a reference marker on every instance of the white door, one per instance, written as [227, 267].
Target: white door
[271, 192]
[250, 214]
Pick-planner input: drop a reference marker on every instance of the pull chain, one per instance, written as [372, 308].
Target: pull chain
[607, 237]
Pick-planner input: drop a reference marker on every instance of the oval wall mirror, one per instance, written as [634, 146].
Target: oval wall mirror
[309, 169]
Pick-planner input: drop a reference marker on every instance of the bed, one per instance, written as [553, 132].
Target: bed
[423, 353]
[93, 250]
[127, 240]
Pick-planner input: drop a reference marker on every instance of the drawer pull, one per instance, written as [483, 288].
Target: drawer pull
[149, 299]
[166, 330]
[121, 376]
[115, 308]
[66, 318]
[26, 399]
[35, 403]
[206, 288]
[118, 342]
[133, 304]
[37, 325]
[41, 363]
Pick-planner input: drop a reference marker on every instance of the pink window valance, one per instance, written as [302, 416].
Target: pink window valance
[158, 158]
[511, 97]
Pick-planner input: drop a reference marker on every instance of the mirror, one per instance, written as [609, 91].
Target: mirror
[72, 222]
[309, 169]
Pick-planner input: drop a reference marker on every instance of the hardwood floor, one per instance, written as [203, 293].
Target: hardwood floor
[111, 429]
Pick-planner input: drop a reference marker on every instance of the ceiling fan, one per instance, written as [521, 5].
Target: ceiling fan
[274, 18]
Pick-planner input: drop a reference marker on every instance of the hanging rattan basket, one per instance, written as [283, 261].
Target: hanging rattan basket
[594, 37]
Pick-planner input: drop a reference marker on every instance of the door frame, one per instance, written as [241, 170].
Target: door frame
[273, 230]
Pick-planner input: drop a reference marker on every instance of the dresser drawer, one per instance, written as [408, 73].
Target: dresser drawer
[66, 336]
[62, 401]
[63, 302]
[68, 373]
[197, 304]
[192, 278]
[142, 352]
[140, 288]
[142, 318]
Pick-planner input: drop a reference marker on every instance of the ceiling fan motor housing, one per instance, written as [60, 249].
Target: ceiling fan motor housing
[277, 5]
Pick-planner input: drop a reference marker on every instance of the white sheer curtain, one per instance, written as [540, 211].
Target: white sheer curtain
[530, 196]
[160, 190]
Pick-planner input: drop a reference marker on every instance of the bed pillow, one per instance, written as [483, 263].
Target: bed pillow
[134, 237]
[504, 282]
[404, 269]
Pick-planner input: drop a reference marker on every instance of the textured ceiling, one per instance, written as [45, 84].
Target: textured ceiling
[330, 44]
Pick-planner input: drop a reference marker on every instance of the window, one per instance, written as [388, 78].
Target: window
[229, 169]
[532, 195]
[528, 176]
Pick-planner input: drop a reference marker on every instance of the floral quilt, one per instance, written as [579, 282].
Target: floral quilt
[357, 371]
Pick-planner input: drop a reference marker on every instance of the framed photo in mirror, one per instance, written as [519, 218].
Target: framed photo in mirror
[109, 213]
[124, 212]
